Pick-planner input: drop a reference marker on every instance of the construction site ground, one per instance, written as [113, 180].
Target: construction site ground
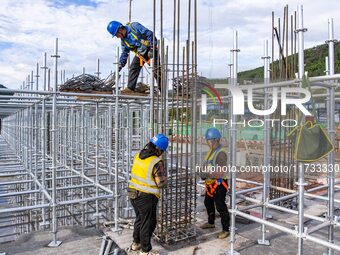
[86, 241]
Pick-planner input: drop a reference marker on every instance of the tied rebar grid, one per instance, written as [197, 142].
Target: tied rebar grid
[175, 114]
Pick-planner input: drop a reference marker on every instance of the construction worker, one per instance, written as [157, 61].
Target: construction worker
[215, 182]
[148, 176]
[137, 38]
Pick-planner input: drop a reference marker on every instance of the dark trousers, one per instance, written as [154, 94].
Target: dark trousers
[218, 200]
[135, 69]
[145, 207]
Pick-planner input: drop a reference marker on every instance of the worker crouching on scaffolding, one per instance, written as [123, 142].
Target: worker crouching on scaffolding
[216, 185]
[148, 176]
[137, 38]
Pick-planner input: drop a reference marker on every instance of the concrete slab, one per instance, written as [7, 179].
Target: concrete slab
[76, 240]
[86, 241]
[205, 243]
[315, 210]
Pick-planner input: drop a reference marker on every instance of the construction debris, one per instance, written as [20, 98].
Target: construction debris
[87, 83]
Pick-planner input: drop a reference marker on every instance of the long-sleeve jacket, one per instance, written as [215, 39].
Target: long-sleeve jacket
[134, 40]
[159, 174]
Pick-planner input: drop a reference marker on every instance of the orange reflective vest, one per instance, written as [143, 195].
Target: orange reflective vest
[210, 160]
[211, 188]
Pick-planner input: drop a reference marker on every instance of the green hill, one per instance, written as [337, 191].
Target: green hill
[314, 64]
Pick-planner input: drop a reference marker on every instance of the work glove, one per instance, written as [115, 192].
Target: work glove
[142, 50]
[145, 42]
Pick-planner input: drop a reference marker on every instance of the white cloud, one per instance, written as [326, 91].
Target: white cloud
[29, 28]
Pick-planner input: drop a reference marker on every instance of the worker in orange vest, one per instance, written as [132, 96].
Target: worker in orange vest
[216, 182]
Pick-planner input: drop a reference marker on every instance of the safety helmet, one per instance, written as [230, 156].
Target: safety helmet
[160, 141]
[113, 27]
[212, 133]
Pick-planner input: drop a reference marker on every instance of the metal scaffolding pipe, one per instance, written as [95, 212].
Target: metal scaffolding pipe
[301, 183]
[267, 151]
[331, 133]
[54, 242]
[233, 135]
[116, 195]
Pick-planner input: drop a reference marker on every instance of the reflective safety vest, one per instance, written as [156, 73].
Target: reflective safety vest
[211, 188]
[141, 175]
[210, 161]
[142, 42]
[135, 35]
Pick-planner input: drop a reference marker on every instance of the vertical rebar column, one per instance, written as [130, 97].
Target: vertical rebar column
[160, 67]
[177, 116]
[54, 242]
[331, 133]
[116, 141]
[152, 111]
[286, 42]
[267, 153]
[194, 113]
[233, 138]
[169, 194]
[301, 183]
[188, 195]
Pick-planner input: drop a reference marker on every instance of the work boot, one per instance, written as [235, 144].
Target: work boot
[149, 253]
[223, 234]
[207, 225]
[142, 88]
[135, 246]
[127, 91]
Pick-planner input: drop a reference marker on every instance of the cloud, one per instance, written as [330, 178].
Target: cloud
[28, 28]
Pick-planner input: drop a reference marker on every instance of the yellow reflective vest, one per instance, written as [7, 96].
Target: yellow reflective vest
[141, 175]
[134, 33]
[210, 160]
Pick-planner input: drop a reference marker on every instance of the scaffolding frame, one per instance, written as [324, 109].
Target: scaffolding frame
[75, 156]
[55, 146]
[301, 232]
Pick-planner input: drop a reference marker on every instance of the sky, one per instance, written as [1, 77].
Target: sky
[28, 28]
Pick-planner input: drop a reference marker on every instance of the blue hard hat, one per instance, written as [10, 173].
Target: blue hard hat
[161, 141]
[113, 27]
[212, 133]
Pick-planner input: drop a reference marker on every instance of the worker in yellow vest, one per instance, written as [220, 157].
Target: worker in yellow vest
[137, 38]
[148, 176]
[216, 182]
